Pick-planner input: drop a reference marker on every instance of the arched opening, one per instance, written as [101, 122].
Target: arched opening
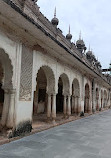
[86, 99]
[101, 99]
[75, 108]
[40, 97]
[105, 99]
[43, 95]
[63, 97]
[6, 91]
[97, 99]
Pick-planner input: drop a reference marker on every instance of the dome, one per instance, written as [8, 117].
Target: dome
[69, 36]
[55, 21]
[80, 42]
[89, 53]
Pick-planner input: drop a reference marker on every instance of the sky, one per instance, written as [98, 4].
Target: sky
[91, 17]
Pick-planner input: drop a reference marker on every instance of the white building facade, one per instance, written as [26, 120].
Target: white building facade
[41, 71]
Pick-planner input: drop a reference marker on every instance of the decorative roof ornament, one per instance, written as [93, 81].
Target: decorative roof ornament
[69, 36]
[89, 53]
[55, 13]
[80, 44]
[55, 21]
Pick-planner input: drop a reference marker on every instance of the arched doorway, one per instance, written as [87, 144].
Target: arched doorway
[86, 99]
[44, 106]
[7, 97]
[75, 97]
[97, 99]
[63, 96]
[40, 97]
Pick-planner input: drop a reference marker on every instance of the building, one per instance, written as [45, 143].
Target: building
[42, 71]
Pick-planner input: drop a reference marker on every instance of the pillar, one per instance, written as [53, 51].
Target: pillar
[49, 106]
[76, 105]
[73, 104]
[69, 107]
[35, 102]
[10, 120]
[54, 107]
[79, 106]
[5, 107]
[65, 106]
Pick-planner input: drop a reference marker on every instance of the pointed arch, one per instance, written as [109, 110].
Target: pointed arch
[76, 88]
[7, 69]
[50, 78]
[66, 84]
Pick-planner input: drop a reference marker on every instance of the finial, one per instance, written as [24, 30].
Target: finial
[69, 29]
[69, 36]
[55, 13]
[89, 47]
[55, 21]
[80, 36]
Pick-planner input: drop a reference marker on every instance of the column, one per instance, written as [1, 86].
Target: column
[10, 120]
[49, 107]
[69, 107]
[65, 106]
[54, 107]
[79, 106]
[73, 104]
[76, 105]
[35, 102]
[5, 107]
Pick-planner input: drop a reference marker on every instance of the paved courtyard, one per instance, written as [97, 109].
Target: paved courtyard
[89, 137]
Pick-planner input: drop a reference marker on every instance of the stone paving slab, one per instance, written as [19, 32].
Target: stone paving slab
[88, 137]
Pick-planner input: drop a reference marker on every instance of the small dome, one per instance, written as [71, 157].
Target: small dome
[55, 21]
[69, 36]
[89, 53]
[80, 42]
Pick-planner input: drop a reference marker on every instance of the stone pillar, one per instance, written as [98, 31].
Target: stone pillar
[76, 105]
[35, 102]
[79, 106]
[10, 120]
[54, 107]
[49, 107]
[65, 106]
[73, 104]
[5, 107]
[69, 107]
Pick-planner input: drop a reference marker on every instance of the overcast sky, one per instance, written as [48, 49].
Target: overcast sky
[92, 17]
